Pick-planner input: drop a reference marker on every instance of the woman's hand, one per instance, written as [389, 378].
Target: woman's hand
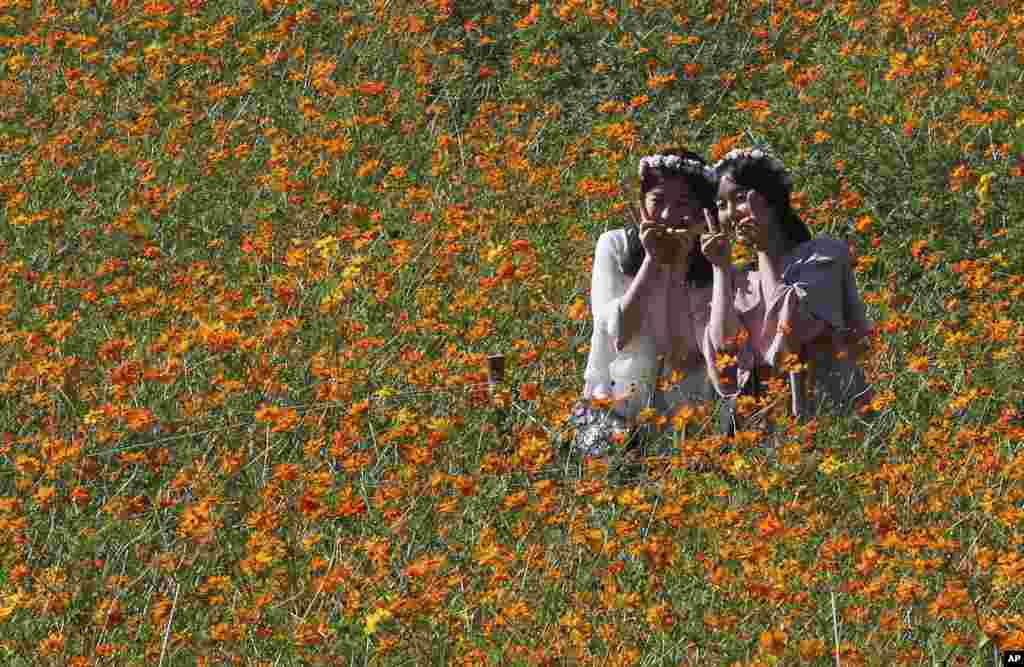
[666, 246]
[715, 244]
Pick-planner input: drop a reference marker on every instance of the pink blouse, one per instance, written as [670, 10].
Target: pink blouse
[817, 301]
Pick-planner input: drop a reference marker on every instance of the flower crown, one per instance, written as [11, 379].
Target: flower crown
[673, 163]
[772, 163]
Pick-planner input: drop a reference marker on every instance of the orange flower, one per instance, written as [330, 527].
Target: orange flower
[530, 18]
[952, 604]
[80, 496]
[367, 168]
[52, 644]
[723, 361]
[639, 101]
[659, 552]
[371, 88]
[769, 526]
[529, 391]
[907, 591]
[658, 81]
[349, 503]
[918, 364]
[773, 642]
[863, 223]
[267, 414]
[427, 565]
[578, 311]
[516, 500]
[692, 70]
[811, 649]
[139, 419]
[723, 146]
[108, 613]
[661, 616]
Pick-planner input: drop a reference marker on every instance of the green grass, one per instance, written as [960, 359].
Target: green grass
[341, 209]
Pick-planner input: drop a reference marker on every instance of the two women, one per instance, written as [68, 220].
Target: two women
[668, 302]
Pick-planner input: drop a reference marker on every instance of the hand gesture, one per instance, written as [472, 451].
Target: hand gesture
[665, 245]
[752, 230]
[715, 244]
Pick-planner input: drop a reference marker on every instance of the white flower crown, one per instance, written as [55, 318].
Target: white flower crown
[773, 163]
[671, 163]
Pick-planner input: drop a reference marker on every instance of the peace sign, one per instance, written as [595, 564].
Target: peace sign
[663, 244]
[715, 244]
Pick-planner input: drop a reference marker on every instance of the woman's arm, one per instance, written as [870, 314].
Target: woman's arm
[724, 323]
[721, 337]
[722, 347]
[618, 308]
[647, 282]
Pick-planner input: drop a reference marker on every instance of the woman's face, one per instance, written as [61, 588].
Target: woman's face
[740, 207]
[671, 202]
[733, 201]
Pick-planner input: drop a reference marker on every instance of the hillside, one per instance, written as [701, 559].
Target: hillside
[255, 255]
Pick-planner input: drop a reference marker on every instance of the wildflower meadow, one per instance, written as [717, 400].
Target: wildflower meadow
[255, 255]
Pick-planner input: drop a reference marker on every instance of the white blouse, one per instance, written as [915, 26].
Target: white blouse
[670, 337]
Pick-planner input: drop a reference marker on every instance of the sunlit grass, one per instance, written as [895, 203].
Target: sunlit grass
[255, 256]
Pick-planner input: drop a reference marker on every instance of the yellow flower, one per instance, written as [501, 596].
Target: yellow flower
[374, 619]
[773, 642]
[738, 465]
[493, 252]
[723, 361]
[984, 189]
[918, 364]
[9, 605]
[578, 310]
[385, 392]
[647, 415]
[830, 465]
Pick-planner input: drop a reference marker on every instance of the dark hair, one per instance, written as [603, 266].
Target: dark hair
[761, 175]
[704, 188]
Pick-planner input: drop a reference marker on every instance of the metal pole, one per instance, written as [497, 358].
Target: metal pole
[495, 383]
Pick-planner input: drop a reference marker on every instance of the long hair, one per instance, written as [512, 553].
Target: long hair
[768, 177]
[704, 188]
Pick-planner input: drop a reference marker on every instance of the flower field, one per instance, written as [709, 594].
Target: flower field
[254, 257]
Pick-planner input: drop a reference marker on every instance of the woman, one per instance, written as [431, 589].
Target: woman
[800, 298]
[650, 294]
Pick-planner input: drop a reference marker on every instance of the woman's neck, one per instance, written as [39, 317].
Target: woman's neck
[776, 245]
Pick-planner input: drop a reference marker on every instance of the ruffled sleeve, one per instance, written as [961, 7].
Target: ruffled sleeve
[817, 292]
[728, 378]
[608, 356]
[607, 287]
